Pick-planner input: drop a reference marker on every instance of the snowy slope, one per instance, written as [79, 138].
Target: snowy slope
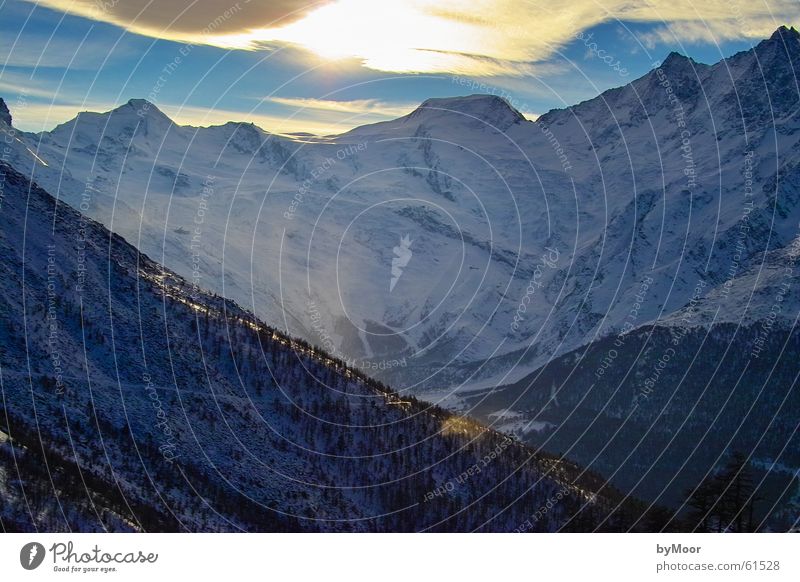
[134, 402]
[523, 240]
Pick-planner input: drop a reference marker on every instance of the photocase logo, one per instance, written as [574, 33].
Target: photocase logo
[31, 555]
[402, 255]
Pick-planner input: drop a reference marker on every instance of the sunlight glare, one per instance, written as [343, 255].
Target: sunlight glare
[394, 35]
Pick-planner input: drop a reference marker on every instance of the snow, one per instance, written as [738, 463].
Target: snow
[282, 222]
[171, 409]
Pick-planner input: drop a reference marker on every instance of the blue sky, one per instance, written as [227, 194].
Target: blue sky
[343, 63]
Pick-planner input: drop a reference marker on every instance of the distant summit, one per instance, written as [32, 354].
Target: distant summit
[675, 61]
[470, 114]
[785, 33]
[142, 108]
[489, 109]
[135, 117]
[5, 114]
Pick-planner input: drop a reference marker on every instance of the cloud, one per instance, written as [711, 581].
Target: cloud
[468, 37]
[371, 107]
[714, 31]
[36, 116]
[315, 116]
[197, 21]
[24, 85]
[282, 124]
[43, 51]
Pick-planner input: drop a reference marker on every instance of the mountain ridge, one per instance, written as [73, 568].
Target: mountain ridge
[461, 104]
[629, 180]
[269, 434]
[658, 216]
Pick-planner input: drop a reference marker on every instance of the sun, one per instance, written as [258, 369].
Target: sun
[390, 35]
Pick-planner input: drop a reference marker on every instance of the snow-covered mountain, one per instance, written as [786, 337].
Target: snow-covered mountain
[462, 245]
[131, 401]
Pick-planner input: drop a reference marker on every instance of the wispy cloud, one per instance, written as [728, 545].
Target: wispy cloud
[307, 121]
[38, 108]
[198, 21]
[718, 31]
[303, 115]
[36, 116]
[320, 117]
[45, 51]
[469, 37]
[358, 107]
[24, 85]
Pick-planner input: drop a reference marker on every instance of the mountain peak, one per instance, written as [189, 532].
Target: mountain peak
[140, 103]
[5, 114]
[677, 61]
[143, 108]
[136, 115]
[785, 33]
[780, 51]
[490, 109]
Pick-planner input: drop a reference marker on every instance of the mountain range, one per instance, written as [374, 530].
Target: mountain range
[133, 402]
[614, 281]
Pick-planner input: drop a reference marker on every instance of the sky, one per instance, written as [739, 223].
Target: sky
[326, 66]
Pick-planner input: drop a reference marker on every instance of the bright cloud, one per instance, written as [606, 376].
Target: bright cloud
[315, 116]
[371, 107]
[282, 124]
[470, 37]
[197, 21]
[719, 31]
[36, 116]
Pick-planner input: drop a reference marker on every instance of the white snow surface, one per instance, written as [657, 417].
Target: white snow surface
[597, 218]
